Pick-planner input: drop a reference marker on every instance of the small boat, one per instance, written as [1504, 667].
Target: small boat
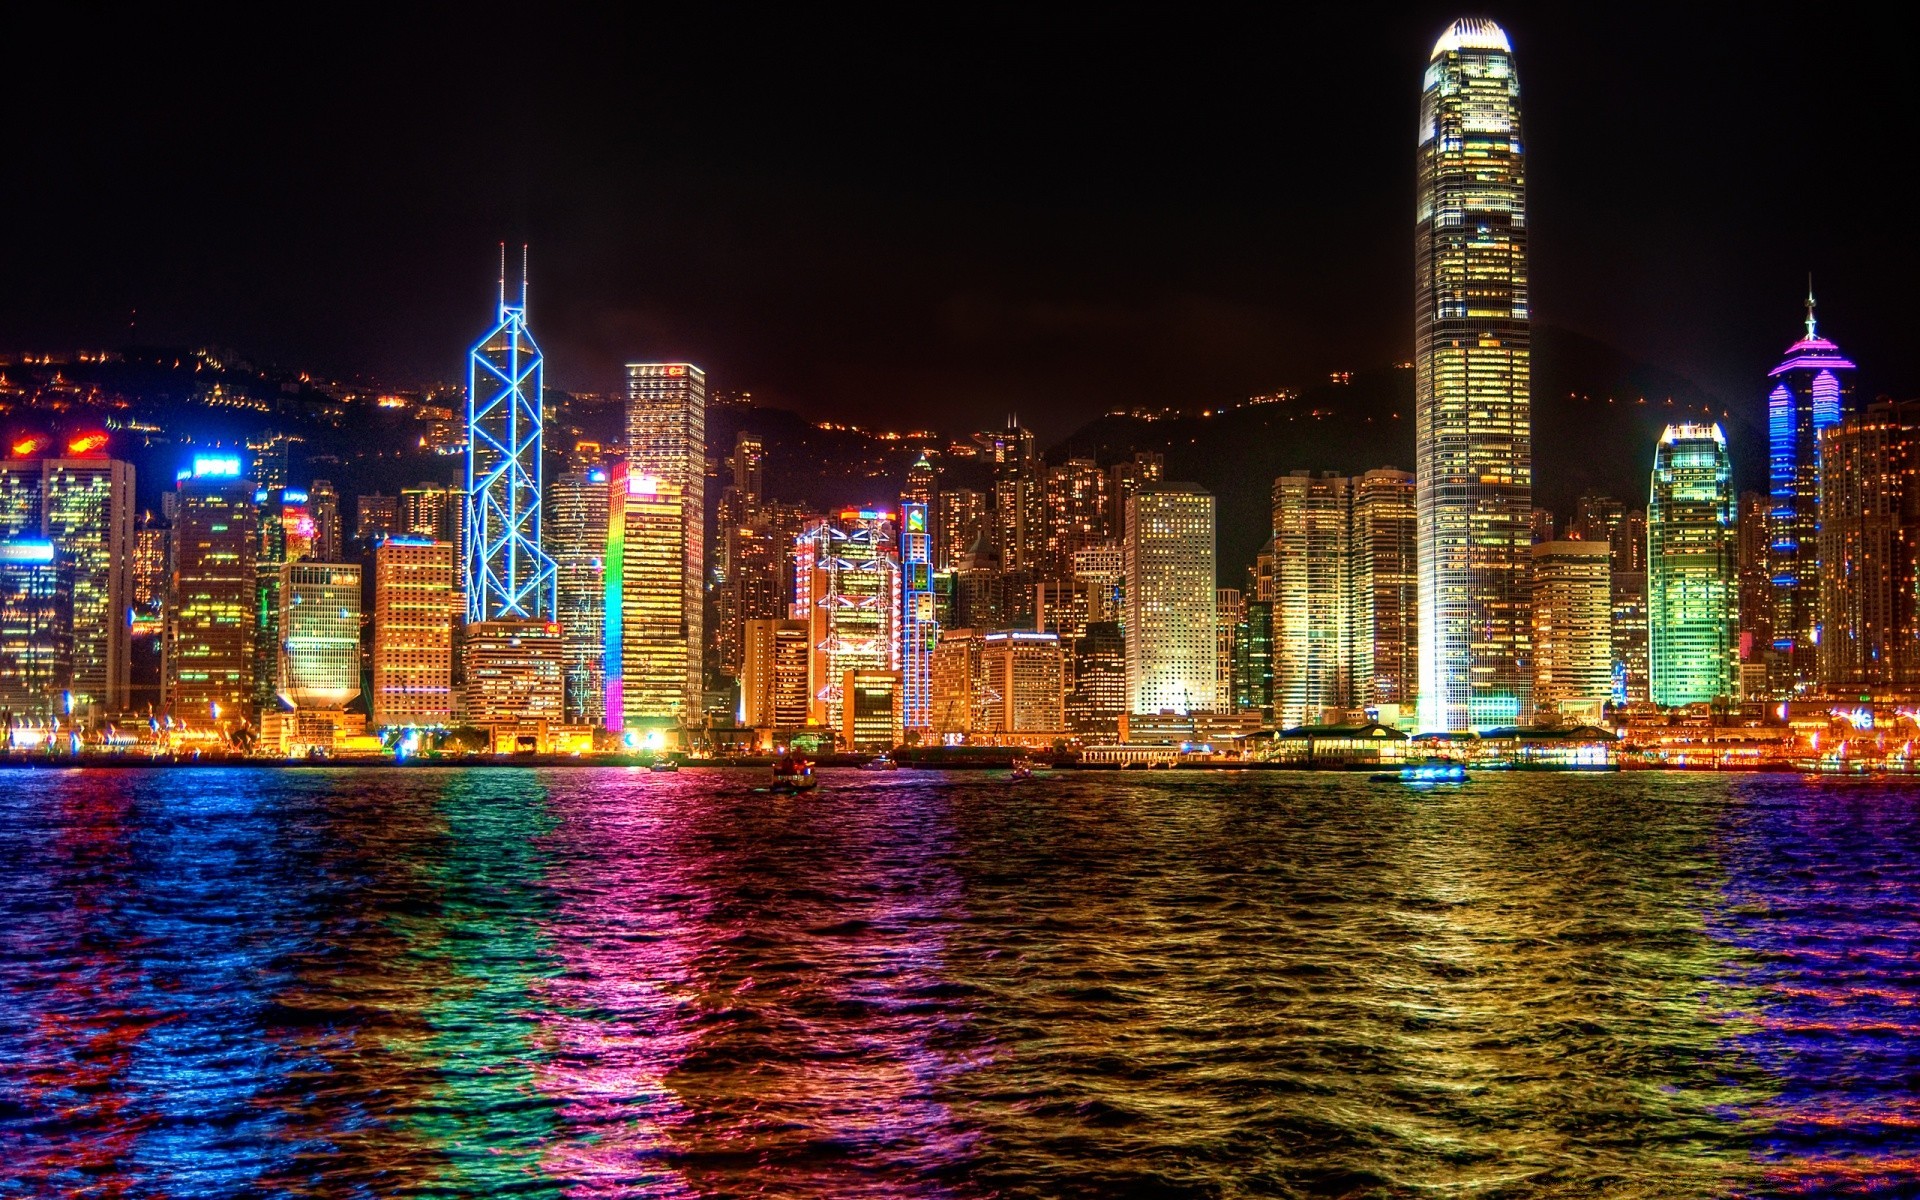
[663, 765]
[1022, 769]
[1423, 774]
[792, 774]
[880, 762]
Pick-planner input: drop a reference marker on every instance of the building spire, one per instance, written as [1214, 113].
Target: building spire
[1810, 323]
[503, 278]
[523, 277]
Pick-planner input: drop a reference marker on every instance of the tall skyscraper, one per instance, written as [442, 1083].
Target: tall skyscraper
[1630, 608]
[919, 625]
[1812, 390]
[508, 575]
[1253, 660]
[1170, 600]
[667, 441]
[847, 586]
[213, 618]
[1474, 440]
[1019, 497]
[1383, 591]
[963, 517]
[1870, 550]
[998, 681]
[652, 643]
[323, 501]
[319, 625]
[576, 531]
[82, 502]
[416, 605]
[1756, 589]
[36, 630]
[1690, 568]
[1572, 629]
[1078, 512]
[1311, 562]
[1126, 478]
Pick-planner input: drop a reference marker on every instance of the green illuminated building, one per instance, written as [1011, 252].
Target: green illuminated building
[1691, 556]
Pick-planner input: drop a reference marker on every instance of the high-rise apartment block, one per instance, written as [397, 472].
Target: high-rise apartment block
[1169, 549]
[1383, 589]
[1019, 498]
[998, 682]
[1812, 392]
[963, 518]
[1572, 629]
[1097, 699]
[375, 517]
[416, 606]
[1311, 565]
[1690, 568]
[1472, 386]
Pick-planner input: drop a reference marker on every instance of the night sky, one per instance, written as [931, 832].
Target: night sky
[937, 216]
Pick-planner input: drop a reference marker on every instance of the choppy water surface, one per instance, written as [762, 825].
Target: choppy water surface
[610, 983]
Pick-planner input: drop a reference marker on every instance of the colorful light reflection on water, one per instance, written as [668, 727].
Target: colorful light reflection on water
[613, 983]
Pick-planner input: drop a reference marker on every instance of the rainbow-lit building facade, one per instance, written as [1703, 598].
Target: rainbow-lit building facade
[919, 627]
[508, 574]
[1812, 392]
[1472, 378]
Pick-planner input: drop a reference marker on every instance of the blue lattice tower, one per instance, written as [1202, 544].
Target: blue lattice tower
[508, 575]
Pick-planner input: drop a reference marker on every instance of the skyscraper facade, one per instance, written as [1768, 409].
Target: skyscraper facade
[416, 605]
[323, 501]
[847, 587]
[213, 618]
[1311, 626]
[507, 572]
[1691, 589]
[82, 502]
[1812, 390]
[577, 508]
[1572, 629]
[1472, 384]
[1169, 552]
[919, 625]
[1019, 498]
[1383, 591]
[773, 677]
[36, 630]
[1870, 550]
[652, 650]
[667, 441]
[319, 650]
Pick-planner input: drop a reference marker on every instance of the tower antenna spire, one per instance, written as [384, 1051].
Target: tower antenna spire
[1810, 323]
[503, 277]
[523, 277]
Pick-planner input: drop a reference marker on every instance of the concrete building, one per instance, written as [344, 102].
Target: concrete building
[1572, 630]
[213, 615]
[514, 679]
[773, 681]
[998, 682]
[1312, 596]
[1869, 551]
[652, 639]
[36, 630]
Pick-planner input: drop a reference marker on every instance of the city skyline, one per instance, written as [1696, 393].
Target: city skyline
[976, 302]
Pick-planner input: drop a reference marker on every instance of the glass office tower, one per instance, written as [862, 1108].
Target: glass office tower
[1691, 558]
[1471, 375]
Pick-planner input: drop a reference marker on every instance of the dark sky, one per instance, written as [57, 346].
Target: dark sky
[930, 215]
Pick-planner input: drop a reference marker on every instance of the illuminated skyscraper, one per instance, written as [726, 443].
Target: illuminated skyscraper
[653, 652]
[416, 605]
[1078, 511]
[1383, 590]
[1870, 550]
[1630, 608]
[375, 517]
[773, 678]
[319, 625]
[36, 629]
[999, 682]
[213, 613]
[82, 502]
[847, 586]
[1471, 379]
[919, 627]
[1019, 497]
[1572, 629]
[1170, 598]
[577, 542]
[667, 441]
[508, 574]
[963, 516]
[1811, 392]
[513, 678]
[1311, 622]
[1690, 568]
[323, 501]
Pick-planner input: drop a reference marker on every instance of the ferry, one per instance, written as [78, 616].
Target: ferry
[663, 765]
[880, 762]
[1423, 774]
[792, 774]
